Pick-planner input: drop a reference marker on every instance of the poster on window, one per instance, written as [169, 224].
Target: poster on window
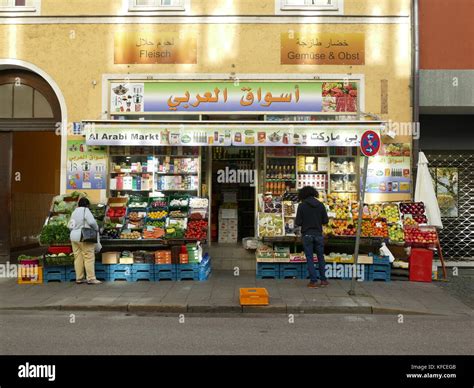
[86, 166]
[447, 190]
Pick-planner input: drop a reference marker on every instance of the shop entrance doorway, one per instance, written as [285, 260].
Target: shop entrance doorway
[31, 155]
[234, 178]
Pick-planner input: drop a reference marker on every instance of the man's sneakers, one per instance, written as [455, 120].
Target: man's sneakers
[94, 281]
[81, 281]
[323, 283]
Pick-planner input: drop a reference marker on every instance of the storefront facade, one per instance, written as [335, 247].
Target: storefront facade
[237, 46]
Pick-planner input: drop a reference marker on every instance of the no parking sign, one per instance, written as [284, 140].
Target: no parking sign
[370, 143]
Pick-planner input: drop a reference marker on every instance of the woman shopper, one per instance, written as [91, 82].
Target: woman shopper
[84, 252]
[311, 216]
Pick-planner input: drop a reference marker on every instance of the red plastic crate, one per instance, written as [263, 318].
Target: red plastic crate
[60, 249]
[421, 261]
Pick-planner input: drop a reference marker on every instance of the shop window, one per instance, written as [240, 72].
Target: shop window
[158, 5]
[20, 7]
[310, 7]
[23, 101]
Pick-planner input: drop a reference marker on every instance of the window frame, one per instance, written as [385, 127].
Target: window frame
[159, 9]
[21, 10]
[281, 8]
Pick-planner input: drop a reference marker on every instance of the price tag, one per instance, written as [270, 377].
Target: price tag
[332, 214]
[118, 225]
[378, 224]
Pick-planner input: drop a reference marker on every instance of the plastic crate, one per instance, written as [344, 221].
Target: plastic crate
[119, 272]
[54, 273]
[55, 250]
[268, 271]
[30, 274]
[164, 272]
[254, 297]
[291, 270]
[142, 272]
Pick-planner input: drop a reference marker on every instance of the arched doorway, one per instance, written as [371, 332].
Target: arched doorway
[30, 156]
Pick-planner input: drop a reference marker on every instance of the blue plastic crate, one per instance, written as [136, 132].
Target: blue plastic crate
[101, 271]
[119, 272]
[143, 275]
[268, 271]
[204, 273]
[164, 272]
[54, 273]
[141, 267]
[380, 259]
[291, 270]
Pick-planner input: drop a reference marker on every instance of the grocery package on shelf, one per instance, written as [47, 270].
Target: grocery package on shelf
[318, 181]
[177, 182]
[169, 164]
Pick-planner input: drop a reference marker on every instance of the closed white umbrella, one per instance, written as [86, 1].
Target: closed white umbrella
[424, 192]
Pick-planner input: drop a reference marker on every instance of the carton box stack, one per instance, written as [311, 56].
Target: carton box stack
[228, 225]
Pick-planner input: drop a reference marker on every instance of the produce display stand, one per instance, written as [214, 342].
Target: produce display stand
[397, 224]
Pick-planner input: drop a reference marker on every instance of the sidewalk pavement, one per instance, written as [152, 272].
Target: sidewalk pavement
[220, 294]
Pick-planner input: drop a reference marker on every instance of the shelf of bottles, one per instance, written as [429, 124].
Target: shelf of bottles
[152, 169]
[234, 158]
[280, 170]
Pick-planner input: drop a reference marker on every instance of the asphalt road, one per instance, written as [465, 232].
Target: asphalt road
[60, 333]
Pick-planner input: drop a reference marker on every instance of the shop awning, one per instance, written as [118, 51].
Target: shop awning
[219, 133]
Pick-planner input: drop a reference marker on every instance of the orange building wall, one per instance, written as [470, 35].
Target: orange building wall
[446, 34]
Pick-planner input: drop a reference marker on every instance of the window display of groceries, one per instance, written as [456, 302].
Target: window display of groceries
[391, 213]
[421, 236]
[270, 224]
[196, 229]
[179, 202]
[169, 164]
[374, 228]
[396, 233]
[340, 228]
[162, 217]
[177, 182]
[66, 203]
[338, 207]
[272, 204]
[414, 210]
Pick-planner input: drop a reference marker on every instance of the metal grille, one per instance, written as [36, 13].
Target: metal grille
[457, 235]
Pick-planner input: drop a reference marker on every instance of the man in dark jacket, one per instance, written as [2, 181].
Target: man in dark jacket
[311, 216]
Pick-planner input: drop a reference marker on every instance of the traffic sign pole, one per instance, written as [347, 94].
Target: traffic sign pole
[369, 146]
[359, 224]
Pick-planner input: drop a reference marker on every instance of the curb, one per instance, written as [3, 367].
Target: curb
[159, 308]
[226, 309]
